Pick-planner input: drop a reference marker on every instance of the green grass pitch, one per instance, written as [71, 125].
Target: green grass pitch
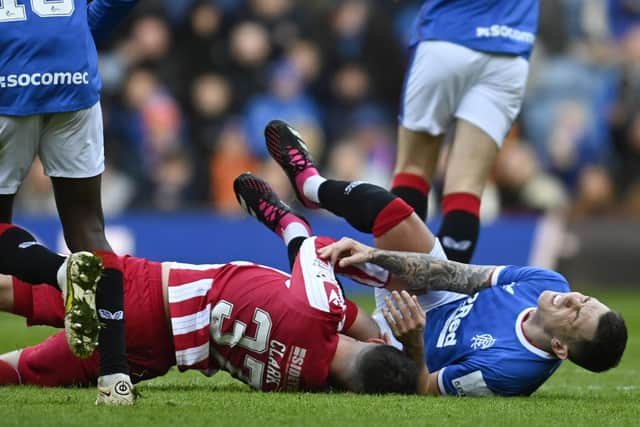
[572, 397]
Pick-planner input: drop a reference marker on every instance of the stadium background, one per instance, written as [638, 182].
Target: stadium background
[190, 84]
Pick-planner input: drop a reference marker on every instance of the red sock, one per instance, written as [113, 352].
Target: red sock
[414, 190]
[8, 374]
[390, 216]
[465, 202]
[410, 180]
[460, 226]
[4, 227]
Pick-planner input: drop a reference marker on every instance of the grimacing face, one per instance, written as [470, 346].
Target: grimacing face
[569, 315]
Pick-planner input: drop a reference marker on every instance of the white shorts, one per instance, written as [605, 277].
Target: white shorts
[428, 301]
[446, 81]
[70, 145]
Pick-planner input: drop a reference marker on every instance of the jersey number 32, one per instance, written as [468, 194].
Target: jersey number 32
[257, 344]
[11, 10]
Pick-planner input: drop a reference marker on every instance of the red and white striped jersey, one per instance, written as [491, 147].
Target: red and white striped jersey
[269, 329]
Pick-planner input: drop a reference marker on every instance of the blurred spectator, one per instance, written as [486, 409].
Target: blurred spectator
[211, 97]
[350, 89]
[170, 180]
[285, 100]
[201, 45]
[524, 186]
[280, 18]
[306, 57]
[231, 157]
[594, 193]
[250, 49]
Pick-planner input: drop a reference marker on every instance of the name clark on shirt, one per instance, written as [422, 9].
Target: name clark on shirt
[293, 367]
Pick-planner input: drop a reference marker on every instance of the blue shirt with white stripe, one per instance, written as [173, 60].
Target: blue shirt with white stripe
[493, 26]
[477, 343]
[48, 58]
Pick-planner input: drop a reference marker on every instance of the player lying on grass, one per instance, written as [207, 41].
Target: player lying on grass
[272, 330]
[490, 329]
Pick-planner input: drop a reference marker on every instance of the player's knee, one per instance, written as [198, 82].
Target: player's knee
[372, 201]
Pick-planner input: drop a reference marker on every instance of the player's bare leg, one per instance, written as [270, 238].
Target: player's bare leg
[416, 162]
[80, 209]
[470, 162]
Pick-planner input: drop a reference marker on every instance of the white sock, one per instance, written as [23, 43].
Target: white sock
[293, 230]
[311, 186]
[61, 275]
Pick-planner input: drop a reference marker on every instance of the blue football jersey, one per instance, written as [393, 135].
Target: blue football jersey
[48, 58]
[477, 343]
[495, 26]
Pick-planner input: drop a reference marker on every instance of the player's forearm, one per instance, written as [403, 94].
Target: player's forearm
[425, 272]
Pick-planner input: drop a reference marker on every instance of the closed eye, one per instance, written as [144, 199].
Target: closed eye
[580, 308]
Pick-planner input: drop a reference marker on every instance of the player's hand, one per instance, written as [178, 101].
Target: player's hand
[407, 321]
[346, 252]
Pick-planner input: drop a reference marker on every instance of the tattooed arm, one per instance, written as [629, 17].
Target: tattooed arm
[421, 272]
[425, 272]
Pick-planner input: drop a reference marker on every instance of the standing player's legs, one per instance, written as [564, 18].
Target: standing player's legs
[72, 154]
[19, 139]
[484, 116]
[19, 142]
[416, 162]
[429, 98]
[470, 162]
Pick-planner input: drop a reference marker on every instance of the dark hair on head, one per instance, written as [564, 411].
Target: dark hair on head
[605, 349]
[385, 369]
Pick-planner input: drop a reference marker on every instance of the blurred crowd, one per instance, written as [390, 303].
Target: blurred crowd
[189, 86]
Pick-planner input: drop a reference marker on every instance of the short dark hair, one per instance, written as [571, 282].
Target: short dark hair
[605, 349]
[385, 369]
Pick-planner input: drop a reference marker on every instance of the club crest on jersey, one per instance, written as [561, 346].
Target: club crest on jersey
[509, 288]
[482, 341]
[447, 335]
